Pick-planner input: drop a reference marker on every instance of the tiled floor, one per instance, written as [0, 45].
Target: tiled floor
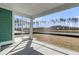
[31, 48]
[34, 47]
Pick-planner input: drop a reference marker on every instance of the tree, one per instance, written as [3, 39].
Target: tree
[37, 23]
[34, 23]
[52, 21]
[69, 21]
[17, 22]
[44, 22]
[62, 20]
[75, 20]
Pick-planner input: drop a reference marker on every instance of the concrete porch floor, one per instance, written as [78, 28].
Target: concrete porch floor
[34, 47]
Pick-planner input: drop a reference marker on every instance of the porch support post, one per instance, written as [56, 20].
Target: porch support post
[31, 29]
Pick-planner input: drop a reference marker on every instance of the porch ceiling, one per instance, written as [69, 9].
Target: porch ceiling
[38, 9]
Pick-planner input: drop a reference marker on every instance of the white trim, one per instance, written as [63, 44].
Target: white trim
[13, 26]
[31, 29]
[4, 43]
[22, 27]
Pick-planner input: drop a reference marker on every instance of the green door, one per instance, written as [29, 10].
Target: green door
[5, 25]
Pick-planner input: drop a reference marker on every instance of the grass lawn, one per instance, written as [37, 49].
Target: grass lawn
[62, 41]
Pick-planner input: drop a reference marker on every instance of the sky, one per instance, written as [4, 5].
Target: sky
[73, 12]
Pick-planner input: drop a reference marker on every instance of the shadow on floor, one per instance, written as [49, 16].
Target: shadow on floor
[27, 50]
[5, 46]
